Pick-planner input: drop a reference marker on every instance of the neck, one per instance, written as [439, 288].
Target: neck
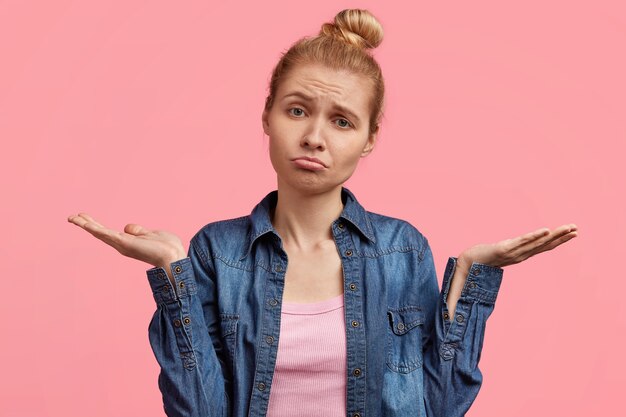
[303, 219]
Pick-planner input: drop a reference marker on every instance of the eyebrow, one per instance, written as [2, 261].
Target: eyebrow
[336, 106]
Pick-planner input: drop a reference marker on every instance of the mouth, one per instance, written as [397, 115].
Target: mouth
[313, 164]
[310, 159]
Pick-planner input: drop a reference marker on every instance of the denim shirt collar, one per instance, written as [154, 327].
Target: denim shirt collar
[352, 211]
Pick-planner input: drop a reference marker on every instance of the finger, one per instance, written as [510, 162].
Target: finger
[85, 224]
[135, 229]
[554, 234]
[89, 218]
[77, 220]
[532, 236]
[553, 243]
[541, 241]
[549, 245]
[516, 245]
[108, 236]
[566, 228]
[558, 233]
[81, 219]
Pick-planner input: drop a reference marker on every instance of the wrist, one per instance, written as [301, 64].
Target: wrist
[463, 263]
[177, 256]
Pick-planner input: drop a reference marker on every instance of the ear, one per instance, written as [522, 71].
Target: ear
[266, 125]
[369, 146]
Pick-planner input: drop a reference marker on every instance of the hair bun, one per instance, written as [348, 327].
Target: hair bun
[357, 27]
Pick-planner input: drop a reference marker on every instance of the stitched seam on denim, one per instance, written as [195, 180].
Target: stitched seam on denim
[388, 251]
[479, 294]
[231, 263]
[188, 290]
[478, 297]
[186, 329]
[258, 351]
[419, 320]
[241, 266]
[406, 366]
[204, 258]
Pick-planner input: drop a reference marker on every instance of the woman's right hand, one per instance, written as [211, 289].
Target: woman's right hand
[156, 247]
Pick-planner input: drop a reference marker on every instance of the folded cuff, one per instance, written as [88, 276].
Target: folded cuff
[184, 279]
[481, 284]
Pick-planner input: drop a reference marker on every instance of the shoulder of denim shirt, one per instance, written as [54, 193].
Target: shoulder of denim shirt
[220, 239]
[231, 240]
[381, 233]
[394, 232]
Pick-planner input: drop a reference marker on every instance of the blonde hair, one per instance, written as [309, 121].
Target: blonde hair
[341, 45]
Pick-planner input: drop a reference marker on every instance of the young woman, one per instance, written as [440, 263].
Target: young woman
[312, 305]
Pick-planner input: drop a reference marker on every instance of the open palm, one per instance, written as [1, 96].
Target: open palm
[156, 247]
[515, 250]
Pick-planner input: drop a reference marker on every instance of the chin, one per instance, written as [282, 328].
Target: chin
[309, 184]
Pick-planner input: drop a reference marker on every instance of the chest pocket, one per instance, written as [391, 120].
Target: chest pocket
[404, 339]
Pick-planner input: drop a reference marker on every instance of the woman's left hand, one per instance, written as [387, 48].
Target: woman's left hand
[515, 250]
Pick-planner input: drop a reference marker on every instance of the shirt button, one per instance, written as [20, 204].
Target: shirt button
[340, 225]
[348, 252]
[401, 326]
[186, 320]
[353, 286]
[459, 318]
[178, 269]
[181, 285]
[177, 323]
[356, 415]
[355, 323]
[472, 284]
[165, 288]
[273, 302]
[356, 372]
[261, 386]
[446, 316]
[269, 340]
[476, 271]
[278, 268]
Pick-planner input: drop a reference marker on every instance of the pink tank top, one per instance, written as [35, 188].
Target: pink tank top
[310, 375]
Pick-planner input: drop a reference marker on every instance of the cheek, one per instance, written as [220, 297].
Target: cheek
[349, 155]
[272, 148]
[275, 151]
[350, 159]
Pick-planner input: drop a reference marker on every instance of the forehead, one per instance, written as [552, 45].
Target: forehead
[326, 84]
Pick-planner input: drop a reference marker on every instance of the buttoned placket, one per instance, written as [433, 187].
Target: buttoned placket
[355, 330]
[270, 332]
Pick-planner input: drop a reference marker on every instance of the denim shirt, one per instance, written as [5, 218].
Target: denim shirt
[215, 334]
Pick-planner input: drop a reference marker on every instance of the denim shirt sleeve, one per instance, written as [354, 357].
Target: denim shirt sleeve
[191, 379]
[452, 378]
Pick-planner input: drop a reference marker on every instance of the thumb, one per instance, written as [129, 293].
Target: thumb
[135, 229]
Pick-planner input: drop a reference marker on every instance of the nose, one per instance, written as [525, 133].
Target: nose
[314, 134]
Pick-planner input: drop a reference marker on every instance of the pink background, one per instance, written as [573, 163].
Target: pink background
[500, 119]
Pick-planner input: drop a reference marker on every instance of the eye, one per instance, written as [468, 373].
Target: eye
[346, 124]
[298, 109]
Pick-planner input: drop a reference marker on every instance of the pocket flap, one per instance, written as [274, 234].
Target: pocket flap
[228, 323]
[405, 318]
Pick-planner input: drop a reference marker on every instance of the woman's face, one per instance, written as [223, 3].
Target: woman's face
[320, 113]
